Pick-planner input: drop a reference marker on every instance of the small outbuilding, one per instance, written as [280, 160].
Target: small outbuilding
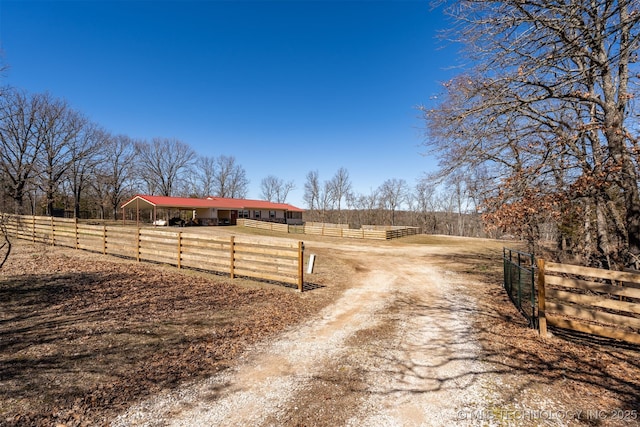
[164, 210]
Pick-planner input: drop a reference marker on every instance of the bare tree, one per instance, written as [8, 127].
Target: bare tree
[393, 193]
[326, 200]
[312, 190]
[59, 128]
[425, 195]
[367, 207]
[204, 176]
[268, 188]
[275, 189]
[546, 110]
[230, 179]
[114, 173]
[84, 151]
[20, 143]
[339, 187]
[163, 163]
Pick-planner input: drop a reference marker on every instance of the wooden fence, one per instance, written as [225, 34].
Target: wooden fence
[366, 232]
[263, 225]
[589, 300]
[326, 224]
[335, 230]
[344, 232]
[237, 256]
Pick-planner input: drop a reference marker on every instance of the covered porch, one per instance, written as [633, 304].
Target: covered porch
[182, 212]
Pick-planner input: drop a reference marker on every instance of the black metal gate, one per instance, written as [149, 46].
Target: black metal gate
[519, 282]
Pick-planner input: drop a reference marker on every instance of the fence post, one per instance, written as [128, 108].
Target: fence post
[138, 245]
[519, 281]
[533, 291]
[33, 228]
[179, 249]
[53, 233]
[232, 256]
[104, 239]
[506, 269]
[77, 237]
[542, 319]
[300, 265]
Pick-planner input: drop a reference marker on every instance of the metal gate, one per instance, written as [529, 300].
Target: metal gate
[519, 282]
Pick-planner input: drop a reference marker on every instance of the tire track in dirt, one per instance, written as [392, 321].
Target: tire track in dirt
[416, 367]
[427, 371]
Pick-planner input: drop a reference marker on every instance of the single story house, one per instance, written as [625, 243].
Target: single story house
[212, 210]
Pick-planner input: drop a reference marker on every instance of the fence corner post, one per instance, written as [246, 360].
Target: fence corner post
[542, 319]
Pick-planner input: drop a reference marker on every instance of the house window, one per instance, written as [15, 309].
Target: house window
[243, 214]
[272, 214]
[256, 214]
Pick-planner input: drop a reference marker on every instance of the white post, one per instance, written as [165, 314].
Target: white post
[312, 260]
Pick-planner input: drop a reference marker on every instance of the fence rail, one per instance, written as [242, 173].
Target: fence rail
[589, 300]
[237, 256]
[519, 282]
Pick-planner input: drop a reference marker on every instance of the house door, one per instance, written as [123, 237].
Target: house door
[234, 217]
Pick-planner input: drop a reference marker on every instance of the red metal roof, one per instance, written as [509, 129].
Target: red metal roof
[211, 202]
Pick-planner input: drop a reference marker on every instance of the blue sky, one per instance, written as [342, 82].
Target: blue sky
[285, 87]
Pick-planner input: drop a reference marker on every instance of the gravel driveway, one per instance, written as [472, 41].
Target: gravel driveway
[396, 348]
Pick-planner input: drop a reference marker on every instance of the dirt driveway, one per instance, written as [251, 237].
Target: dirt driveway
[409, 343]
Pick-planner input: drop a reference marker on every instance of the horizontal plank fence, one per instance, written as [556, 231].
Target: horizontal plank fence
[326, 224]
[594, 301]
[263, 225]
[237, 256]
[399, 232]
[372, 232]
[366, 232]
[360, 233]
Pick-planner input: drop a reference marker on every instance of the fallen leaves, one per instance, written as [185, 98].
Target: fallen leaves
[84, 336]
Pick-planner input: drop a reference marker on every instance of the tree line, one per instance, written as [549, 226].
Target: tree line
[435, 207]
[55, 161]
[53, 158]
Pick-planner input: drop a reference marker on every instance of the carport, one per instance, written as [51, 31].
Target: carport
[166, 204]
